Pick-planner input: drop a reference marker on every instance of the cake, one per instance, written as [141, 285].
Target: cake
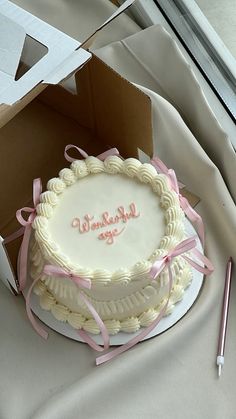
[108, 221]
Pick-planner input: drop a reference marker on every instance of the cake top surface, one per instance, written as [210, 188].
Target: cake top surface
[108, 219]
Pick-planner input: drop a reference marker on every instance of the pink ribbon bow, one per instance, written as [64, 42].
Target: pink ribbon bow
[157, 268]
[23, 253]
[192, 215]
[183, 247]
[52, 270]
[27, 224]
[102, 156]
[25, 231]
[85, 283]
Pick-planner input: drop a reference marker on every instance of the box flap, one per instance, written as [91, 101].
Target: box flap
[61, 56]
[69, 66]
[64, 56]
[12, 38]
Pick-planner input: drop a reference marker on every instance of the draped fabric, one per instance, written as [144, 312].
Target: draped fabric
[172, 376]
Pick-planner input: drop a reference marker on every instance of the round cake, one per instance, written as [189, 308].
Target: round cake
[108, 221]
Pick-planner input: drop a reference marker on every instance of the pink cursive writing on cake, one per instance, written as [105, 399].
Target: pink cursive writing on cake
[89, 223]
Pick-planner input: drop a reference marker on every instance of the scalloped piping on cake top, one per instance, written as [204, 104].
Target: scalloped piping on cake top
[144, 173]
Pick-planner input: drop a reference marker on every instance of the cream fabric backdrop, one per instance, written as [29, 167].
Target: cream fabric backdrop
[171, 76]
[172, 376]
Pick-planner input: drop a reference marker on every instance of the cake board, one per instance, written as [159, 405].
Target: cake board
[181, 308]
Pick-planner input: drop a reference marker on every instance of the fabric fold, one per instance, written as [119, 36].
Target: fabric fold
[172, 77]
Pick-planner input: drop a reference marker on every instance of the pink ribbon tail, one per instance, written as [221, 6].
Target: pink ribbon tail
[192, 215]
[132, 342]
[207, 267]
[159, 165]
[158, 266]
[101, 325]
[102, 156]
[23, 253]
[14, 235]
[85, 283]
[41, 332]
[23, 257]
[25, 231]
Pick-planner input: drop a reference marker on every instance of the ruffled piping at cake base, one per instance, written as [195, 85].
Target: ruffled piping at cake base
[127, 325]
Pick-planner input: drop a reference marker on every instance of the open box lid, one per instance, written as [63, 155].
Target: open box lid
[64, 56]
[107, 103]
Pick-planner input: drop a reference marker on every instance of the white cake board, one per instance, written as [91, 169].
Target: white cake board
[181, 308]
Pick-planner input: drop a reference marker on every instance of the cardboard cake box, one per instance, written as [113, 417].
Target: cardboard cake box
[38, 117]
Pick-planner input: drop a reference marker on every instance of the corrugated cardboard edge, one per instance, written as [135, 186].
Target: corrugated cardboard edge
[7, 112]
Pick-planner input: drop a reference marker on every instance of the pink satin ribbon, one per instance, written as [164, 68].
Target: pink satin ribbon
[102, 156]
[192, 215]
[14, 235]
[25, 231]
[37, 327]
[27, 224]
[52, 270]
[23, 253]
[157, 268]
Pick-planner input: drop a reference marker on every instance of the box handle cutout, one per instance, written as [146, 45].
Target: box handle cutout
[33, 51]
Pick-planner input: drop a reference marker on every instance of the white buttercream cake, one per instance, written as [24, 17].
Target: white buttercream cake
[109, 222]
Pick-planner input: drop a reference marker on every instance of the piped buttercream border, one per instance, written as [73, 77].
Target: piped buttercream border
[133, 168]
[129, 325]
